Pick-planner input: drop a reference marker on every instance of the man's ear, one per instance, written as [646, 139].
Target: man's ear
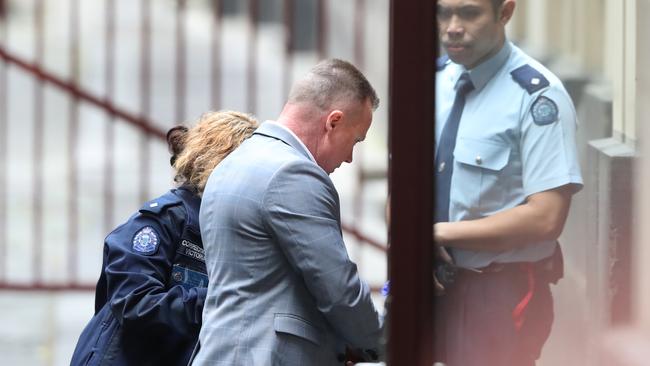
[334, 118]
[507, 9]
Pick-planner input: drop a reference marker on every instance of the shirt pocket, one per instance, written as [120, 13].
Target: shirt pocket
[478, 185]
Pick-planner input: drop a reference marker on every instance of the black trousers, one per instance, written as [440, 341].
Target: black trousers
[474, 319]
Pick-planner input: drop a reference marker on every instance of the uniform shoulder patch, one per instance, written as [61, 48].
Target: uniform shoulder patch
[529, 78]
[544, 111]
[146, 240]
[442, 62]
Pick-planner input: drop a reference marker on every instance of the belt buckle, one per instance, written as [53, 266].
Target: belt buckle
[475, 270]
[498, 267]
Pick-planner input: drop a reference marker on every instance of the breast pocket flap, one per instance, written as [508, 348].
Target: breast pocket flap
[486, 154]
[294, 325]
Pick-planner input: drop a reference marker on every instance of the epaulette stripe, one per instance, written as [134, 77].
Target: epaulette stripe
[157, 205]
[529, 78]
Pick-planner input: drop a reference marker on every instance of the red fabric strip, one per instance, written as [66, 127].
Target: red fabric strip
[518, 314]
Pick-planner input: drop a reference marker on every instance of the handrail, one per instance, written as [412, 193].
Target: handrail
[141, 122]
[363, 238]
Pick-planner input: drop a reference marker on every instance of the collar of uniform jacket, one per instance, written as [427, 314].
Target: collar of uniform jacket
[481, 74]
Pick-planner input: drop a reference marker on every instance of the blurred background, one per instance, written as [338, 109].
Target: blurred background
[89, 88]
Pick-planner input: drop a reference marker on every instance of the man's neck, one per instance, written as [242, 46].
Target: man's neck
[492, 53]
[301, 121]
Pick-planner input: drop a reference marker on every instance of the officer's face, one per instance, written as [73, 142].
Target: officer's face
[470, 30]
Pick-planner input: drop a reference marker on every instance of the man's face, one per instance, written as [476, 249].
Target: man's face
[469, 30]
[343, 134]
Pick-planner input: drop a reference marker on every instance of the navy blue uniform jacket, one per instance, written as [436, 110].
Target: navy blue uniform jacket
[151, 290]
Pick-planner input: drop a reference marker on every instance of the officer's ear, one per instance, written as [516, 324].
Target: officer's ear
[507, 9]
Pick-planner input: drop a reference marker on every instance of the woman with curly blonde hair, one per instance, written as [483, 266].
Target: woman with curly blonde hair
[199, 150]
[150, 294]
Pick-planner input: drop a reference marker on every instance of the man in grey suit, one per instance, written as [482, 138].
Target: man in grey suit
[282, 289]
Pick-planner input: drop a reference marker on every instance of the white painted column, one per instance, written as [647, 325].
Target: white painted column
[536, 27]
[630, 71]
[613, 54]
[641, 273]
[593, 35]
[516, 28]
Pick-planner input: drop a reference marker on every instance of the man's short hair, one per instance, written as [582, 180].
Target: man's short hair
[333, 80]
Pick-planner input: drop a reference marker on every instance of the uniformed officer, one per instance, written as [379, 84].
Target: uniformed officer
[150, 294]
[506, 168]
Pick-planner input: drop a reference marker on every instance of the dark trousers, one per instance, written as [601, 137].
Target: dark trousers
[474, 319]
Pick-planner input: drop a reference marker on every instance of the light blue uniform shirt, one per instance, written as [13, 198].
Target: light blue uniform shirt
[502, 154]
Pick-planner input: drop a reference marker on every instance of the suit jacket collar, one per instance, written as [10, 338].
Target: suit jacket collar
[274, 130]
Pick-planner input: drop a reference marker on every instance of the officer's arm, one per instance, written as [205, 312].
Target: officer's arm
[540, 218]
[137, 282]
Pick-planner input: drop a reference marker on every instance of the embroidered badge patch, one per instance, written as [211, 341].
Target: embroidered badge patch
[544, 111]
[145, 241]
[192, 250]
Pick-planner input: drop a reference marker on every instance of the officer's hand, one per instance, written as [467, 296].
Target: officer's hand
[441, 254]
[438, 288]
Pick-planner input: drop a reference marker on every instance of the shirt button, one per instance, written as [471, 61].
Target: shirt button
[441, 167]
[479, 160]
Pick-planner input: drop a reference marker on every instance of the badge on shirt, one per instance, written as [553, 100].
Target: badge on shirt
[188, 278]
[544, 111]
[145, 241]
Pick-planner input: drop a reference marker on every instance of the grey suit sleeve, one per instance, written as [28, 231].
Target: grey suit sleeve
[302, 208]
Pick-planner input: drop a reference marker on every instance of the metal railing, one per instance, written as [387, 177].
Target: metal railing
[142, 118]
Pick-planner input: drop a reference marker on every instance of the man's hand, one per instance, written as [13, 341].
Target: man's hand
[352, 356]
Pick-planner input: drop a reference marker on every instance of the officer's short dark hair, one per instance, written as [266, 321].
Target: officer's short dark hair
[496, 5]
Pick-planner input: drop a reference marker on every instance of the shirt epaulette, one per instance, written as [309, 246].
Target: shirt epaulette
[442, 62]
[529, 78]
[156, 206]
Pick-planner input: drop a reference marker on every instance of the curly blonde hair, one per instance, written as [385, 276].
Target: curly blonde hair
[198, 150]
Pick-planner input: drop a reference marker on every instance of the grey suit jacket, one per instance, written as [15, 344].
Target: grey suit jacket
[282, 289]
